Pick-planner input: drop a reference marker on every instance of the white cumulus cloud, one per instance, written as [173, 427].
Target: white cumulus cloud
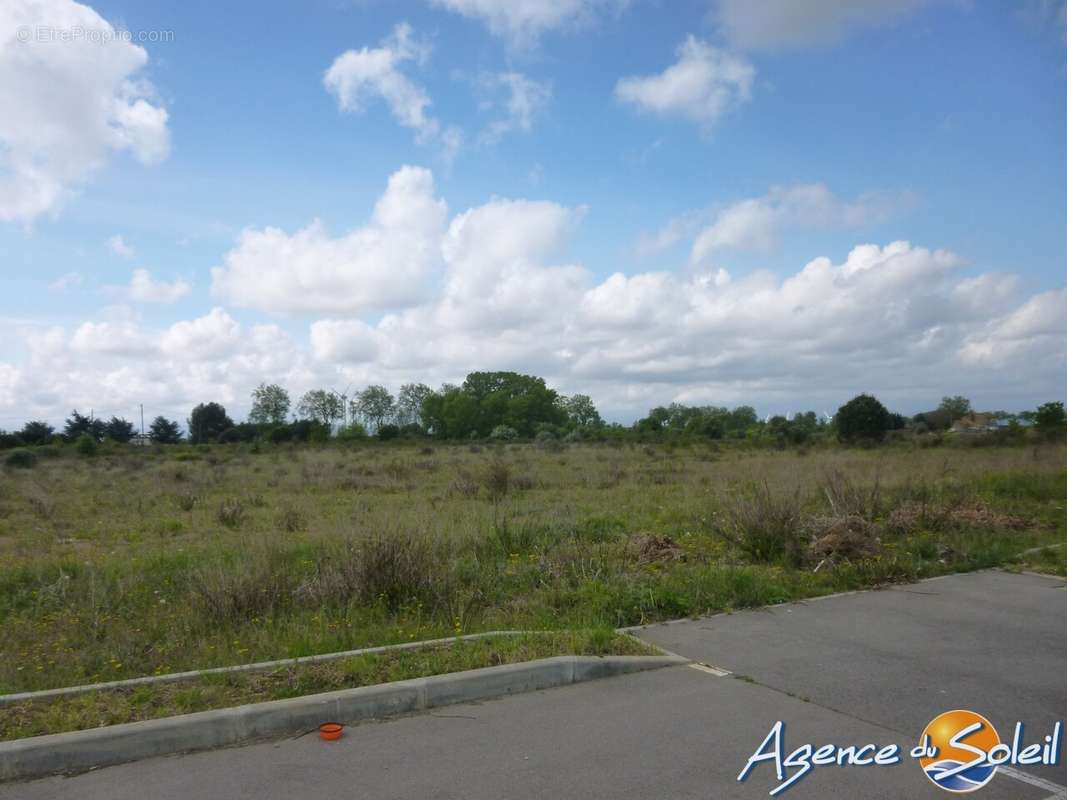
[703, 85]
[381, 265]
[497, 289]
[358, 75]
[144, 288]
[525, 100]
[753, 225]
[523, 22]
[117, 245]
[68, 106]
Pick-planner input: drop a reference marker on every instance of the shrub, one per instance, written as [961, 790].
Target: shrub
[291, 520]
[497, 478]
[186, 501]
[353, 432]
[257, 585]
[391, 568]
[388, 431]
[504, 433]
[86, 445]
[848, 499]
[21, 459]
[231, 513]
[283, 433]
[765, 526]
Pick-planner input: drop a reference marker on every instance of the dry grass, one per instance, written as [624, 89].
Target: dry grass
[143, 561]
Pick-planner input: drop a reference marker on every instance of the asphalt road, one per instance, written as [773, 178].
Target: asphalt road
[870, 667]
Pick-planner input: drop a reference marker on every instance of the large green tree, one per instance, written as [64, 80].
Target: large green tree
[36, 432]
[78, 424]
[1051, 420]
[164, 431]
[409, 402]
[955, 408]
[375, 406]
[581, 412]
[322, 406]
[119, 430]
[207, 422]
[862, 419]
[519, 401]
[270, 405]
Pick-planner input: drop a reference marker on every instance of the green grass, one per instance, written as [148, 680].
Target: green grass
[33, 718]
[145, 561]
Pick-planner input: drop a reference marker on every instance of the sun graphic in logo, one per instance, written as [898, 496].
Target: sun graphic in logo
[951, 766]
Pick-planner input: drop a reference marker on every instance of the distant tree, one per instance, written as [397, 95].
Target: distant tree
[36, 432]
[308, 430]
[956, 407]
[409, 403]
[270, 405]
[740, 420]
[937, 420]
[77, 424]
[1051, 420]
[450, 413]
[897, 422]
[322, 406]
[863, 418]
[375, 406]
[581, 412]
[8, 440]
[164, 431]
[207, 422]
[119, 430]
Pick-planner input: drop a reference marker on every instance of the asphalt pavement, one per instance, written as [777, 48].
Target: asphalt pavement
[871, 667]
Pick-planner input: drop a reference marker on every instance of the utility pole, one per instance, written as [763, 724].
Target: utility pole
[142, 421]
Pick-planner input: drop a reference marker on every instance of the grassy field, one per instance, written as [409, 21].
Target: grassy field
[154, 560]
[112, 707]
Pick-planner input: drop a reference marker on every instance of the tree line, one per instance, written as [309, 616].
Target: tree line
[507, 406]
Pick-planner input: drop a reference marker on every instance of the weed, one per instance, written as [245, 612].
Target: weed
[764, 524]
[231, 513]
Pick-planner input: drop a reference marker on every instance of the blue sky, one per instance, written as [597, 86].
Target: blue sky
[621, 197]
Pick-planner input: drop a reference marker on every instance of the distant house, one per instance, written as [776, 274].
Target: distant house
[979, 422]
[976, 422]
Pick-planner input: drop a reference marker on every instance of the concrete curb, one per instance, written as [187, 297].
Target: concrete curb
[77, 751]
[259, 666]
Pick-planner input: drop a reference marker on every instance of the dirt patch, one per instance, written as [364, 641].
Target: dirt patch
[912, 517]
[844, 538]
[649, 548]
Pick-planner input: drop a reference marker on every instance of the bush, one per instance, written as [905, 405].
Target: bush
[388, 431]
[391, 568]
[21, 459]
[281, 434]
[86, 445]
[257, 585]
[231, 513]
[504, 433]
[765, 526]
[354, 432]
[497, 478]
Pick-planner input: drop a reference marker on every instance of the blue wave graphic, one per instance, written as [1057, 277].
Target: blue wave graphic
[969, 779]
